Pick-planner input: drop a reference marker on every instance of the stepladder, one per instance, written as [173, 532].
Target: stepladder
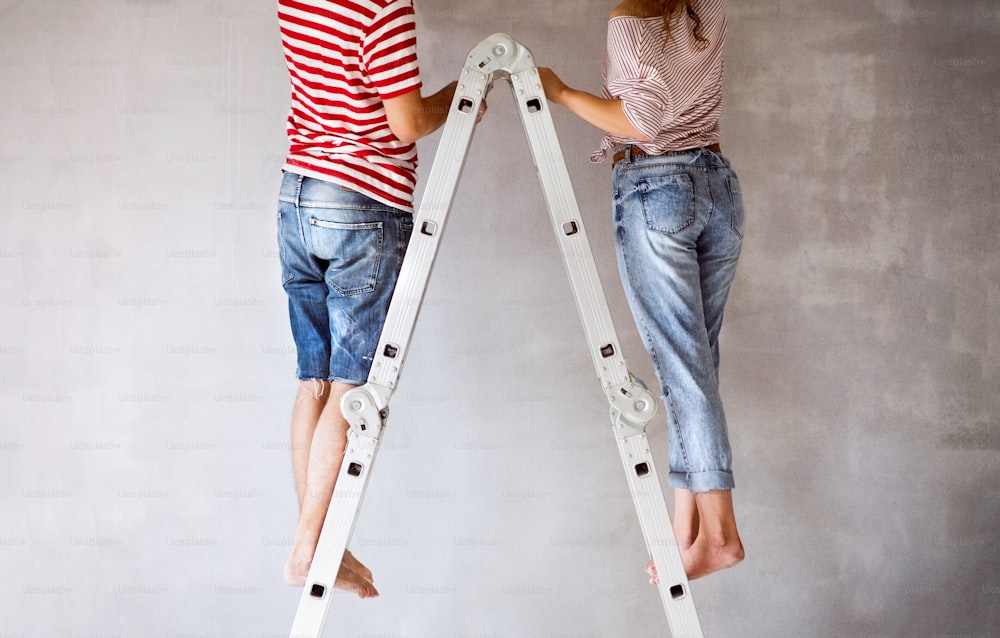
[366, 408]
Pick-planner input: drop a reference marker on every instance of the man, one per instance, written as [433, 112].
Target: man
[344, 220]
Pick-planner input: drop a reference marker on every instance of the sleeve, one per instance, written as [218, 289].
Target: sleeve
[645, 101]
[389, 51]
[636, 82]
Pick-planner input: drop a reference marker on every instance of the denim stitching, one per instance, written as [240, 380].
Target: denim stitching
[373, 276]
[732, 200]
[642, 187]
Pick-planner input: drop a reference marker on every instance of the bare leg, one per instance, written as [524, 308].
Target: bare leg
[717, 545]
[685, 518]
[309, 403]
[317, 454]
[685, 526]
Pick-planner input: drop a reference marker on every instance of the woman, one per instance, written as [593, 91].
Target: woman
[679, 224]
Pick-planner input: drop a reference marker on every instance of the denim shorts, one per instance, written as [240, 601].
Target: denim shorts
[679, 226]
[340, 252]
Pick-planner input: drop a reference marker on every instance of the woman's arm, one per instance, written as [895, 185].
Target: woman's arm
[605, 114]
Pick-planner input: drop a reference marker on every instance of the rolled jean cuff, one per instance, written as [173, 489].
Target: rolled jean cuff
[702, 481]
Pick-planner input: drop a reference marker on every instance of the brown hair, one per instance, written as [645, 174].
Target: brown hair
[667, 8]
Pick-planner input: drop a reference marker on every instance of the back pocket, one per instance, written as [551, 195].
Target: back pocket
[667, 202]
[353, 253]
[736, 198]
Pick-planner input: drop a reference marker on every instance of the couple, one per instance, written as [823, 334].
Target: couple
[345, 218]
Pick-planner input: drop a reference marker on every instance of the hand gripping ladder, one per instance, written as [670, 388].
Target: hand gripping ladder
[366, 407]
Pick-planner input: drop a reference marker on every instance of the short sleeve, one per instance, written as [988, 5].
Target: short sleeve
[390, 50]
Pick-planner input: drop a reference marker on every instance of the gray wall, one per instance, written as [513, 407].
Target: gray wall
[147, 368]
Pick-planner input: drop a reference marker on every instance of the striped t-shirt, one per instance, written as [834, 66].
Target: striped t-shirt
[670, 85]
[344, 57]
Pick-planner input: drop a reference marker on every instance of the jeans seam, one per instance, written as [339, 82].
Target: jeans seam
[672, 423]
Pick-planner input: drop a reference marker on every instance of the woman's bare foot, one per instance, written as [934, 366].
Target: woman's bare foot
[710, 554]
[717, 545]
[654, 578]
[705, 529]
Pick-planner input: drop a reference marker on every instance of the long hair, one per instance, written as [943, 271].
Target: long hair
[668, 8]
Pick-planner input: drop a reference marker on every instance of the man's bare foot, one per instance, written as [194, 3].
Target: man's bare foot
[348, 580]
[298, 563]
[355, 566]
[352, 575]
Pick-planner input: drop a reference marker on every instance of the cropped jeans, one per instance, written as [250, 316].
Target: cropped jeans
[679, 226]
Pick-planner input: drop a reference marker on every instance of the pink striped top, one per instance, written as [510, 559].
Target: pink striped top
[344, 57]
[670, 86]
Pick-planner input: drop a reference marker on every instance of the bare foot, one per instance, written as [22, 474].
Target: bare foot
[355, 566]
[702, 559]
[709, 555]
[352, 575]
[350, 581]
[299, 561]
[705, 529]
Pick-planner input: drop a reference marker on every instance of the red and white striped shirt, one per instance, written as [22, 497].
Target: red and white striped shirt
[344, 57]
[670, 85]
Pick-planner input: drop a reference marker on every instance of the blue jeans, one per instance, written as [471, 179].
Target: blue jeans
[679, 226]
[340, 252]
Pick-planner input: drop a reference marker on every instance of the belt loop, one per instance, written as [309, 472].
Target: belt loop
[298, 189]
[628, 155]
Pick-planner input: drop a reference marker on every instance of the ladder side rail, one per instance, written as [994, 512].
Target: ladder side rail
[632, 405]
[338, 527]
[428, 227]
[568, 226]
[654, 519]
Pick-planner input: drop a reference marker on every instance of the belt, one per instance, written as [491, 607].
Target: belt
[638, 152]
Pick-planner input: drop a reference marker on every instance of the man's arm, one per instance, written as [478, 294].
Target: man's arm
[412, 116]
[605, 114]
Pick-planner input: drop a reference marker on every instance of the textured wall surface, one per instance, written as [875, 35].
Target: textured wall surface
[147, 370]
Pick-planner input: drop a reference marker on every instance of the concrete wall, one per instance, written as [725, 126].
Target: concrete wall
[147, 370]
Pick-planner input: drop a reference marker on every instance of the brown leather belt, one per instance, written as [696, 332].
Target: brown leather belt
[638, 152]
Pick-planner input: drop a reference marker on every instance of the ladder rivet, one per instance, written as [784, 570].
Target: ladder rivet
[356, 406]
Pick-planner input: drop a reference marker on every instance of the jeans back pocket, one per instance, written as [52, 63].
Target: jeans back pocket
[353, 253]
[667, 202]
[736, 199]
